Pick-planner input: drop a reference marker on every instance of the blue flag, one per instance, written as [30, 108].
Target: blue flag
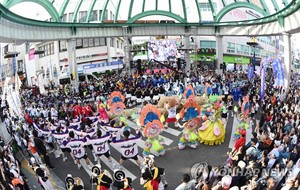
[278, 72]
[263, 78]
[250, 72]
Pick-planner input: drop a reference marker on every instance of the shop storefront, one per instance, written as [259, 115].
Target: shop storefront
[205, 57]
[236, 62]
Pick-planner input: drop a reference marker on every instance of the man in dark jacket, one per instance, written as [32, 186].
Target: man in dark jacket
[39, 144]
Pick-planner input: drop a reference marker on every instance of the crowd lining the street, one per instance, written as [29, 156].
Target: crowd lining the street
[274, 145]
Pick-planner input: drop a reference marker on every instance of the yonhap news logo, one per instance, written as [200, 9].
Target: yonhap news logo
[204, 171]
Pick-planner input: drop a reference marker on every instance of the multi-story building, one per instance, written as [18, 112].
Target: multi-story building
[47, 59]
[235, 49]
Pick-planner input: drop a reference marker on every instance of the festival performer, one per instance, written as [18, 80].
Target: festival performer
[61, 135]
[243, 125]
[171, 108]
[152, 176]
[190, 113]
[42, 173]
[239, 143]
[121, 181]
[77, 149]
[102, 178]
[212, 131]
[128, 147]
[73, 183]
[150, 121]
[102, 111]
[100, 146]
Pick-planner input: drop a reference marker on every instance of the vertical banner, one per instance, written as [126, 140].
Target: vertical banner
[263, 65]
[13, 65]
[72, 62]
[278, 73]
[250, 72]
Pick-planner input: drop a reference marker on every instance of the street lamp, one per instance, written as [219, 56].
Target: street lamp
[253, 43]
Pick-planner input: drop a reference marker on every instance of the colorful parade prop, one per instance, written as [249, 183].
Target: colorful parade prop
[116, 103]
[212, 131]
[190, 113]
[152, 127]
[189, 93]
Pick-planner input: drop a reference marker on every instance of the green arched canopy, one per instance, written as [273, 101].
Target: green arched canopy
[47, 5]
[158, 12]
[233, 6]
[218, 8]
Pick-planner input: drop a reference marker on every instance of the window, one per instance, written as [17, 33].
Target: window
[52, 48]
[257, 51]
[245, 50]
[79, 43]
[100, 14]
[252, 51]
[85, 43]
[91, 42]
[102, 42]
[117, 43]
[230, 47]
[111, 42]
[205, 7]
[71, 17]
[41, 49]
[62, 46]
[207, 44]
[46, 50]
[239, 49]
[94, 15]
[97, 41]
[105, 15]
[65, 18]
[82, 16]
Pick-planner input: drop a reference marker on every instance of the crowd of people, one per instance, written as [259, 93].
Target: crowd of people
[65, 121]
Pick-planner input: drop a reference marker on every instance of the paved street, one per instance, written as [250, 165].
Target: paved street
[176, 162]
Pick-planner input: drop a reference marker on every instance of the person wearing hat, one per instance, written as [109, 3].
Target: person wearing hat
[275, 151]
[239, 143]
[252, 150]
[103, 179]
[42, 173]
[152, 176]
[224, 184]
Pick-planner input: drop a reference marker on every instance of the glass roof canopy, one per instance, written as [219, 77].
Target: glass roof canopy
[133, 11]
